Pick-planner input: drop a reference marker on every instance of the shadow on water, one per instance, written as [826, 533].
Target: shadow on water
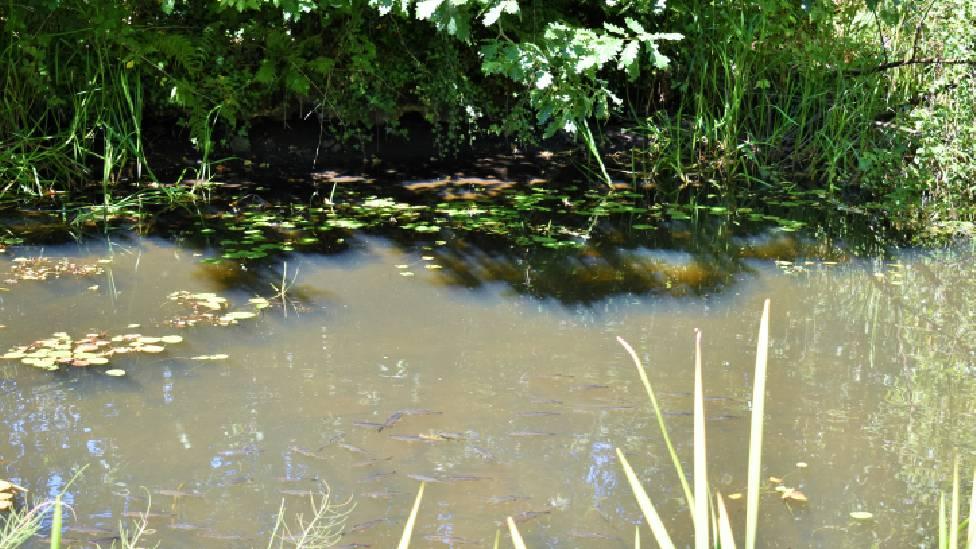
[571, 245]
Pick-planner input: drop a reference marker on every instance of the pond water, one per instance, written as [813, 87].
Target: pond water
[493, 375]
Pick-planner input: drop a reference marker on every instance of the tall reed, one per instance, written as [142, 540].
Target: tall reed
[710, 520]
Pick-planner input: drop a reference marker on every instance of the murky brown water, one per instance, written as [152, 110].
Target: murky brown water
[509, 405]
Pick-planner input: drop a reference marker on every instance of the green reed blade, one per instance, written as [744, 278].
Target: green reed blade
[660, 421]
[56, 524]
[646, 507]
[954, 512]
[756, 435]
[971, 529]
[516, 537]
[408, 528]
[725, 538]
[943, 538]
[701, 474]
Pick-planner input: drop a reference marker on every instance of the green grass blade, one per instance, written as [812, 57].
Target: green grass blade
[971, 530]
[701, 472]
[756, 435]
[660, 421]
[637, 537]
[408, 528]
[943, 538]
[954, 512]
[516, 536]
[498, 539]
[725, 538]
[56, 524]
[646, 507]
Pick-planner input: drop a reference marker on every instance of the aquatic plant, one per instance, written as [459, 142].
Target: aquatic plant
[710, 520]
[323, 529]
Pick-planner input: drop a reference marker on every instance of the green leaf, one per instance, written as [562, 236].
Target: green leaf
[634, 26]
[266, 73]
[426, 8]
[296, 82]
[505, 6]
[628, 55]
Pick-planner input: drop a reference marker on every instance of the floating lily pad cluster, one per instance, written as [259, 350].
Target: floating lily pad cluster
[534, 216]
[43, 268]
[208, 308]
[99, 349]
[91, 350]
[7, 492]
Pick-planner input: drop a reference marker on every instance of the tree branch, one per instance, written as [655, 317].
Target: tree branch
[895, 64]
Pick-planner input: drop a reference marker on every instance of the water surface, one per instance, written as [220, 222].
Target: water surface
[496, 381]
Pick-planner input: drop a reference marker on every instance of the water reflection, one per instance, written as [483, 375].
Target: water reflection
[508, 405]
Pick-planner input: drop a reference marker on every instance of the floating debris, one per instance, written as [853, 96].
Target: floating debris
[44, 268]
[792, 494]
[7, 490]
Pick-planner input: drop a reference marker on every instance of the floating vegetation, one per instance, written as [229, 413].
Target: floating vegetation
[91, 350]
[208, 308]
[44, 268]
[100, 349]
[202, 300]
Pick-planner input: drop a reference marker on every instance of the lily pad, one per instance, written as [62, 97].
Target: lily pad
[115, 373]
[152, 349]
[238, 315]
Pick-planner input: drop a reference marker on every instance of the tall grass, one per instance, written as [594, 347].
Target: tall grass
[761, 102]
